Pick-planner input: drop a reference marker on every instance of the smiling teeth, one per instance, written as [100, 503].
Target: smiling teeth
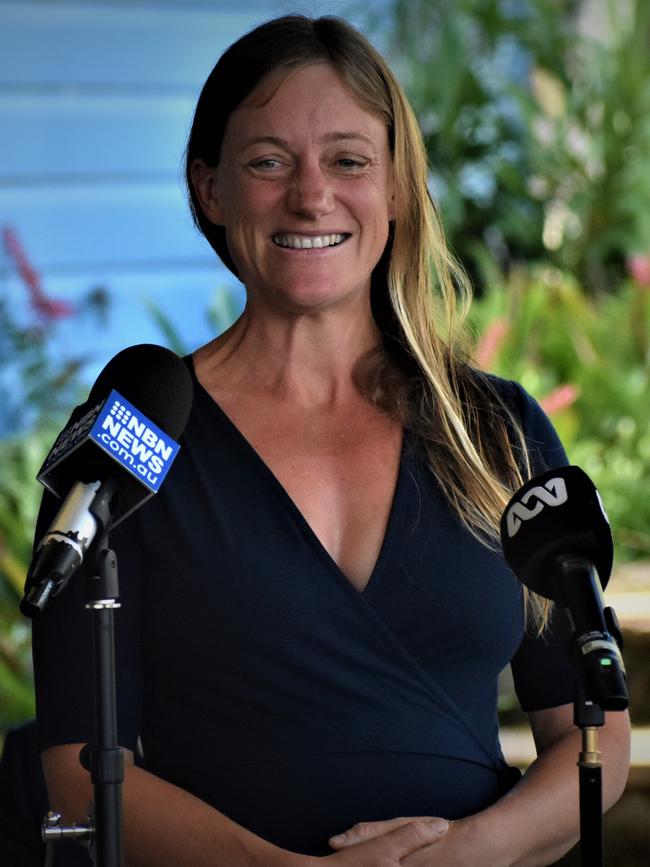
[304, 242]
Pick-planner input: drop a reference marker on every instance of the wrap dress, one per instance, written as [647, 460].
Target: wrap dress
[253, 674]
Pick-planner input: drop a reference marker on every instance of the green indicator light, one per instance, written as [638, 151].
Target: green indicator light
[606, 662]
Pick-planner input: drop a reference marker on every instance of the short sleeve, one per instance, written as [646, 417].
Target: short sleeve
[545, 451]
[62, 649]
[543, 671]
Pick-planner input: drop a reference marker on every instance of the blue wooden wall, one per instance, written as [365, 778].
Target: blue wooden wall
[95, 103]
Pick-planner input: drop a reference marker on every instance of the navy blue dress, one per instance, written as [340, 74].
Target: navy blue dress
[257, 677]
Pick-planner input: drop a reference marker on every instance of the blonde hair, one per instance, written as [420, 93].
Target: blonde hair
[420, 293]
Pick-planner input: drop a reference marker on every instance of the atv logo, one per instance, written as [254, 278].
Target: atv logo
[553, 493]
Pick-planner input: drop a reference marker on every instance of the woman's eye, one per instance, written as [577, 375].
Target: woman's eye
[267, 163]
[350, 163]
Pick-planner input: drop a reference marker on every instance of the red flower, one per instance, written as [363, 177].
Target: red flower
[47, 308]
[639, 268]
[560, 398]
[490, 343]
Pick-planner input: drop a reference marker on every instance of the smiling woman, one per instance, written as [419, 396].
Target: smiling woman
[315, 610]
[304, 191]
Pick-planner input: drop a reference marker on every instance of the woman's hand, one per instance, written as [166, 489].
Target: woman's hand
[385, 844]
[448, 849]
[503, 833]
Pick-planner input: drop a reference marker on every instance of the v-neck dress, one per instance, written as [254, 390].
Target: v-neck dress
[253, 674]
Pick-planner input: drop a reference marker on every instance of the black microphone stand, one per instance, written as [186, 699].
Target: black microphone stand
[601, 687]
[104, 759]
[589, 717]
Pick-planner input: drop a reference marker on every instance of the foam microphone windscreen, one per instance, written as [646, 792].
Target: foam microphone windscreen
[152, 378]
[158, 385]
[557, 514]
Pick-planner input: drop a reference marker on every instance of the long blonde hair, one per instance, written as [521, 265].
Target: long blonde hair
[420, 294]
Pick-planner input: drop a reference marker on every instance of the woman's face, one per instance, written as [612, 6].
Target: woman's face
[304, 189]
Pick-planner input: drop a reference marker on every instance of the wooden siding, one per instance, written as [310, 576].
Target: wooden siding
[95, 102]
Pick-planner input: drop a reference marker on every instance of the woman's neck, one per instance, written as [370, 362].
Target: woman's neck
[307, 359]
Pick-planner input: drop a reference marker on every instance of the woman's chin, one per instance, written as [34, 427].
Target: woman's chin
[306, 295]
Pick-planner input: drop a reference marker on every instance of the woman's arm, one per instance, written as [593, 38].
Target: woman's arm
[165, 826]
[538, 820]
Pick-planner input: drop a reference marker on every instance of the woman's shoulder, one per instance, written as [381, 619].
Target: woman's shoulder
[517, 408]
[490, 390]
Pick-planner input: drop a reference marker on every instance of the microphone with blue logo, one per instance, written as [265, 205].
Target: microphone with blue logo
[556, 538]
[116, 450]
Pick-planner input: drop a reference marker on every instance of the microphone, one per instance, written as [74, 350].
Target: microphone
[112, 455]
[556, 538]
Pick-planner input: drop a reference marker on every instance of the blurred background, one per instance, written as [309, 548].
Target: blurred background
[536, 115]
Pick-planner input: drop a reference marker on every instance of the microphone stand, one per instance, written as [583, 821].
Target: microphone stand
[104, 759]
[589, 717]
[601, 687]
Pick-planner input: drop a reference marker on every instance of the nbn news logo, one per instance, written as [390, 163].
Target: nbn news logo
[130, 438]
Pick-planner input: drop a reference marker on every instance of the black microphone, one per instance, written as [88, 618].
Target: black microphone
[556, 538]
[112, 455]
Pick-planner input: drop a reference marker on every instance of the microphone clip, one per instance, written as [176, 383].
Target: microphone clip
[61, 553]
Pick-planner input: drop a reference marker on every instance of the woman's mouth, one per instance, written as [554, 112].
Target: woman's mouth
[308, 242]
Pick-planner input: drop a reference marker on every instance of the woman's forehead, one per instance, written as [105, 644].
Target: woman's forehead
[267, 87]
[315, 92]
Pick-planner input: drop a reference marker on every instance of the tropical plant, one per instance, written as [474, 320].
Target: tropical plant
[19, 501]
[537, 134]
[589, 145]
[588, 360]
[37, 390]
[223, 308]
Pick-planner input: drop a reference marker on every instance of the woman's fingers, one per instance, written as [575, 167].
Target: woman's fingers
[410, 838]
[364, 831]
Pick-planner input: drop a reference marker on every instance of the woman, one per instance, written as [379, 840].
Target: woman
[314, 610]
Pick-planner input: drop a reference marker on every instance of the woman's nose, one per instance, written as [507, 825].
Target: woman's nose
[310, 193]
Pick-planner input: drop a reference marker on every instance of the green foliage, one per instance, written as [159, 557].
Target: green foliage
[33, 388]
[537, 136]
[19, 501]
[222, 311]
[173, 339]
[589, 362]
[224, 308]
[538, 139]
[589, 145]
[36, 393]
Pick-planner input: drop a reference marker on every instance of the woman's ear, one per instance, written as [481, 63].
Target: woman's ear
[204, 181]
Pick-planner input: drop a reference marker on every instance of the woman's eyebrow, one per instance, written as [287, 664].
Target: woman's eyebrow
[266, 139]
[354, 136]
[328, 137]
